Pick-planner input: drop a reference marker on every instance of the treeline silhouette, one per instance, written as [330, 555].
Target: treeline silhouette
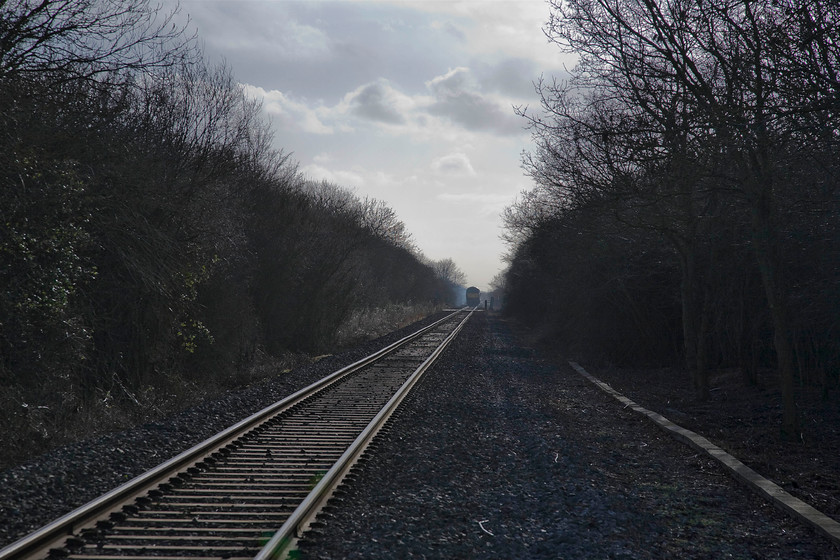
[153, 244]
[686, 204]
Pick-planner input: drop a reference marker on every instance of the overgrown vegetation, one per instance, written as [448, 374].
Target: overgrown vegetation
[154, 247]
[686, 205]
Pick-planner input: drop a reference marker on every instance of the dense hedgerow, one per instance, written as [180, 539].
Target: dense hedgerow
[154, 246]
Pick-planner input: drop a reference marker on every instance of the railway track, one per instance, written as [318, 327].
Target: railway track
[251, 490]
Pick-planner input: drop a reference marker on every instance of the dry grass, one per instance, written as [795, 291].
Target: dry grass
[33, 423]
[367, 324]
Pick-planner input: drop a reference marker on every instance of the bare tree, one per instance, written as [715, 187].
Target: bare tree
[382, 221]
[94, 40]
[447, 270]
[635, 153]
[737, 74]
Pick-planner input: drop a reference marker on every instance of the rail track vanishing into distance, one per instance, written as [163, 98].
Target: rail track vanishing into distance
[251, 490]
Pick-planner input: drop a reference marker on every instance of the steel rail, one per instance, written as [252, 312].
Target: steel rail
[97, 509]
[284, 539]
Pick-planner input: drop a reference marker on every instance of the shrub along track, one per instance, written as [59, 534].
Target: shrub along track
[226, 497]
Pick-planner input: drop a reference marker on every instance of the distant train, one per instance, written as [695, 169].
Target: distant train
[473, 296]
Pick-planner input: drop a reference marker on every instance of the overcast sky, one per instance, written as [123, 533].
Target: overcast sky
[406, 102]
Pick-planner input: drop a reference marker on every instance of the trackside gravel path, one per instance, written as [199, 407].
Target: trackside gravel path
[501, 454]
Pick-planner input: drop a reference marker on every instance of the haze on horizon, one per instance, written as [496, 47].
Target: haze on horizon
[411, 103]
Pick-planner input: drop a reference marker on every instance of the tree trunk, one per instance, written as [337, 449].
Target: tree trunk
[746, 348]
[688, 288]
[701, 375]
[766, 248]
[695, 323]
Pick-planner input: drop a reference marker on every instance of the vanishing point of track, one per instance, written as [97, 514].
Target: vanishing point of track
[251, 490]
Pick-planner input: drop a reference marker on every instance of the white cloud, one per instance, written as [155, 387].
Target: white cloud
[451, 84]
[451, 29]
[459, 198]
[342, 178]
[297, 40]
[453, 164]
[407, 101]
[289, 113]
[490, 205]
[234, 27]
[452, 109]
[498, 28]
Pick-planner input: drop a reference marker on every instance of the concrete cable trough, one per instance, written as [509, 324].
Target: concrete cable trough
[754, 481]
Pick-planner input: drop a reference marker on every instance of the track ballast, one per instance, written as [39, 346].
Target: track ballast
[227, 497]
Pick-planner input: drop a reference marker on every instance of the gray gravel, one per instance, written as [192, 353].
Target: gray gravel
[498, 454]
[43, 489]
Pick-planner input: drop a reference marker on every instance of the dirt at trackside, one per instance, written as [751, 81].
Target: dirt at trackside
[745, 421]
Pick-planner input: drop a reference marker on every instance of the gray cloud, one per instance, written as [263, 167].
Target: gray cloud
[318, 50]
[372, 102]
[458, 99]
[514, 77]
[454, 31]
